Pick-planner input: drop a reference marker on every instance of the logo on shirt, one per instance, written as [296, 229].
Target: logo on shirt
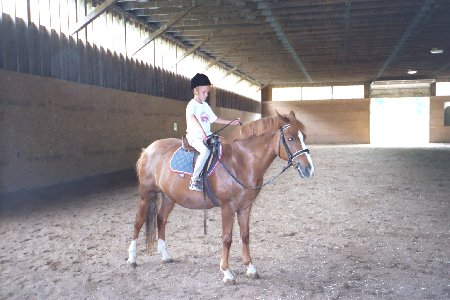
[204, 117]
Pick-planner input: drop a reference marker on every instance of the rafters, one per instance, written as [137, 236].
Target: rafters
[92, 16]
[162, 29]
[291, 42]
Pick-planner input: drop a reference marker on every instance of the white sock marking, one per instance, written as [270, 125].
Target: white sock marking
[132, 252]
[227, 275]
[251, 270]
[162, 249]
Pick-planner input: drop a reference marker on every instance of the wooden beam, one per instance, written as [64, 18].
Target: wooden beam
[163, 28]
[243, 78]
[198, 45]
[265, 85]
[231, 71]
[222, 56]
[91, 17]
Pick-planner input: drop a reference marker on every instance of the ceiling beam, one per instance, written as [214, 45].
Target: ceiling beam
[282, 37]
[164, 28]
[265, 85]
[230, 71]
[92, 16]
[197, 46]
[214, 62]
[420, 18]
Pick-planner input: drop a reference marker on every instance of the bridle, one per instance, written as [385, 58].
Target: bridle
[291, 158]
[214, 138]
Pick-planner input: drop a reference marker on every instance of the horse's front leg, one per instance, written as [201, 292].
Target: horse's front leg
[244, 227]
[163, 214]
[227, 234]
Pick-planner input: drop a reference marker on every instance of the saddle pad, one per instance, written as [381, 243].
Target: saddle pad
[182, 161]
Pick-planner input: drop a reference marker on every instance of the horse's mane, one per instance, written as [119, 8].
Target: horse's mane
[262, 126]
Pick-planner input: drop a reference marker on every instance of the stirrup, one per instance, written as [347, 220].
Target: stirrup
[196, 186]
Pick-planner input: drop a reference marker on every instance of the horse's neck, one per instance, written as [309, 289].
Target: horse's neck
[257, 152]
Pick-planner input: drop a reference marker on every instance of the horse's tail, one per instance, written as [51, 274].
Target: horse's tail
[150, 223]
[140, 163]
[151, 197]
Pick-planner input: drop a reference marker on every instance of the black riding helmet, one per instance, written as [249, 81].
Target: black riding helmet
[199, 80]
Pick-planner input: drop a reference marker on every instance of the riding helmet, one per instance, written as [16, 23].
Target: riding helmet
[199, 80]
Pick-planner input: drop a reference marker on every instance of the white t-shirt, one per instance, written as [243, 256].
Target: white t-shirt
[204, 115]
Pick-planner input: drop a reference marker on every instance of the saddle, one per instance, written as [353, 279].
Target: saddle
[186, 146]
[183, 160]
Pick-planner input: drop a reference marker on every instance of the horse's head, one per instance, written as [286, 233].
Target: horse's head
[291, 145]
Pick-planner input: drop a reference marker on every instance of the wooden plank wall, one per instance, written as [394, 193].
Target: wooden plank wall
[328, 121]
[38, 48]
[55, 131]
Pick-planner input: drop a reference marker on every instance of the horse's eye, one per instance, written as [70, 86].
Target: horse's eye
[290, 139]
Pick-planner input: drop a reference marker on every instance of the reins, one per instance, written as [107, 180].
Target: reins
[291, 158]
[259, 186]
[217, 131]
[215, 139]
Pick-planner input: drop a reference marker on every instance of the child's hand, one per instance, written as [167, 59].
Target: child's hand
[236, 121]
[204, 136]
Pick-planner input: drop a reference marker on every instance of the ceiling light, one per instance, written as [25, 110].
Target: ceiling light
[436, 50]
[412, 72]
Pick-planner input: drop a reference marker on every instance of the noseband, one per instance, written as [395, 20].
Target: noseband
[291, 156]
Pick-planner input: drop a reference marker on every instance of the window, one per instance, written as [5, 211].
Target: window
[348, 92]
[317, 93]
[442, 88]
[287, 94]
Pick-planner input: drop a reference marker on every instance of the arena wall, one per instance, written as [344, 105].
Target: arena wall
[348, 121]
[55, 131]
[328, 121]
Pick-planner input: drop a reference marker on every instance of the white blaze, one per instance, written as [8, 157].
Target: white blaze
[302, 142]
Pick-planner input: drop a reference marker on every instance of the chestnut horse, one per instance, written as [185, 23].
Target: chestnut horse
[236, 182]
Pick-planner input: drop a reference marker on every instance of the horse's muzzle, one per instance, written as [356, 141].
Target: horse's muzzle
[305, 169]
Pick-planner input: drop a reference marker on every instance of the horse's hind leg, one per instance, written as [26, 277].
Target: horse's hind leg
[144, 203]
[163, 214]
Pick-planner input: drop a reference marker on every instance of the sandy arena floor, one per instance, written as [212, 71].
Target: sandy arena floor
[372, 224]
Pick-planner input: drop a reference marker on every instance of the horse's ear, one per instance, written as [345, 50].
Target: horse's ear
[284, 118]
[280, 116]
[292, 115]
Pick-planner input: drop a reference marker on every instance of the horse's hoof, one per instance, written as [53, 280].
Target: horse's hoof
[253, 275]
[133, 264]
[229, 281]
[167, 261]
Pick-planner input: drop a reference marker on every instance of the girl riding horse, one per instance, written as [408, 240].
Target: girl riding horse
[236, 182]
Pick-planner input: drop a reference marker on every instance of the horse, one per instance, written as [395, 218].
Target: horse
[236, 182]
